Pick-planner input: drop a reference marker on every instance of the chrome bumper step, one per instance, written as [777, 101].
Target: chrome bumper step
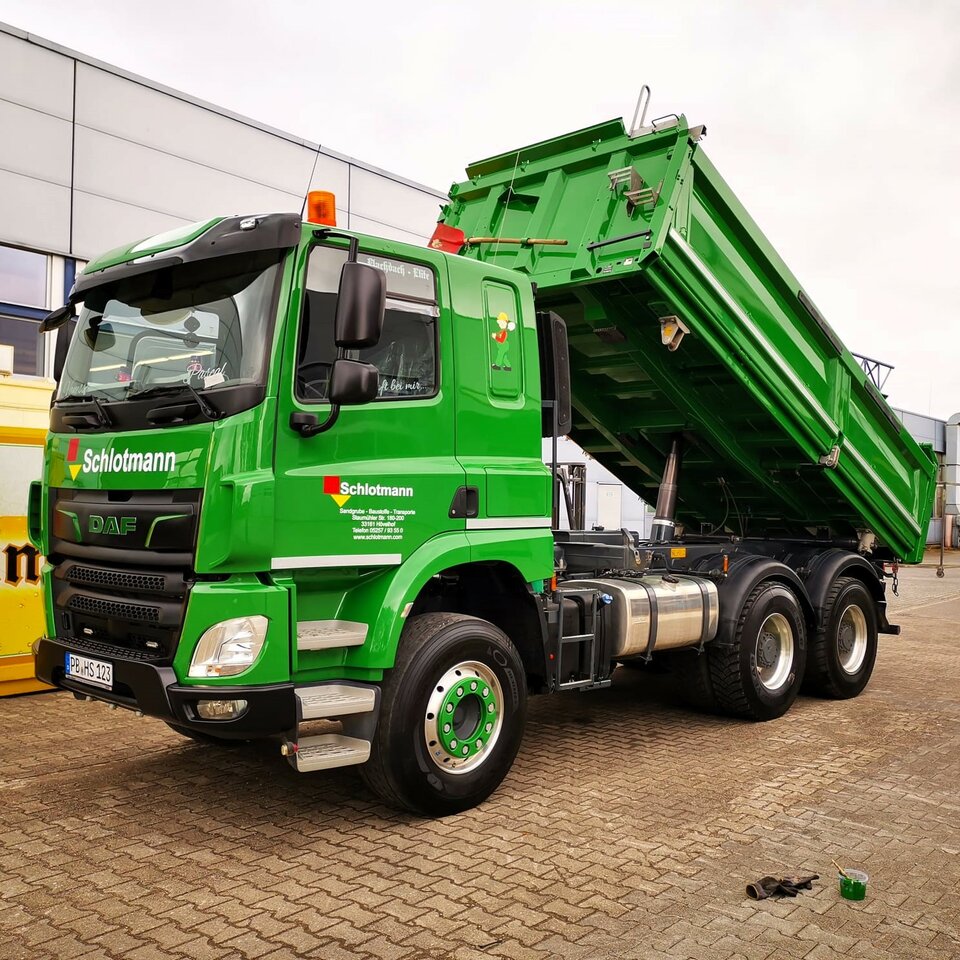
[355, 705]
[326, 751]
[329, 634]
[332, 700]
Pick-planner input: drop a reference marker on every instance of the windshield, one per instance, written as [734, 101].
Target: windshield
[205, 324]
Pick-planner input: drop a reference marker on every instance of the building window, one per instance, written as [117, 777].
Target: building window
[23, 335]
[23, 303]
[23, 277]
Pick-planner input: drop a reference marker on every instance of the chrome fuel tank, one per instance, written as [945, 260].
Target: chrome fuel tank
[672, 611]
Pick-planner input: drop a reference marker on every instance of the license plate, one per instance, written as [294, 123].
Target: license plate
[95, 672]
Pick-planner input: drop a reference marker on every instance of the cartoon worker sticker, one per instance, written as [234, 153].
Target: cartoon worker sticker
[502, 360]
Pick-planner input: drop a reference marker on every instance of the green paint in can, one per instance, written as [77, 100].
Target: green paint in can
[853, 886]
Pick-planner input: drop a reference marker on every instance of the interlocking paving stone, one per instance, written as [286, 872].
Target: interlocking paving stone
[627, 828]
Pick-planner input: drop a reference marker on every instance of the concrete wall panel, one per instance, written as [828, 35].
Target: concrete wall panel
[34, 213]
[35, 77]
[131, 173]
[136, 112]
[100, 224]
[34, 144]
[392, 203]
[142, 159]
[376, 229]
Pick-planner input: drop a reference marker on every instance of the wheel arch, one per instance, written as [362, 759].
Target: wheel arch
[416, 580]
[744, 577]
[830, 565]
[496, 591]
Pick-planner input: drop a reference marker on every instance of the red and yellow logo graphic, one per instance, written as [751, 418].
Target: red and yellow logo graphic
[73, 454]
[332, 486]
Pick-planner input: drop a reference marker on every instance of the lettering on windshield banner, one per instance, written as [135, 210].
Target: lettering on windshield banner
[118, 461]
[403, 279]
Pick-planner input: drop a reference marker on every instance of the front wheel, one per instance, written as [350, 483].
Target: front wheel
[451, 716]
[844, 650]
[758, 674]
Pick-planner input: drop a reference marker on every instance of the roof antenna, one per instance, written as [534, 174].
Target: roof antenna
[313, 170]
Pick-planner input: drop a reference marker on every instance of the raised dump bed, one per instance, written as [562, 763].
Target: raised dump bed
[684, 321]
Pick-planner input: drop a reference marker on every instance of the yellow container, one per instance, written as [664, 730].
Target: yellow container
[24, 411]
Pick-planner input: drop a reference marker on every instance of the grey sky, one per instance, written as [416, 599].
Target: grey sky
[838, 124]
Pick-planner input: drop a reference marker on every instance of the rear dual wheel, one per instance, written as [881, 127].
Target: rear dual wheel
[758, 673]
[843, 652]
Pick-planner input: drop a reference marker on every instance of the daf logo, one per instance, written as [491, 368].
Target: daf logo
[119, 526]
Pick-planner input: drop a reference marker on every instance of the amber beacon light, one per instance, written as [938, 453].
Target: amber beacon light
[322, 207]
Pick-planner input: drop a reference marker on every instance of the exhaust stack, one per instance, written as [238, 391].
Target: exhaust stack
[661, 530]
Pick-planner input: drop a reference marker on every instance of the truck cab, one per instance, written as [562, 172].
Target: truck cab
[214, 559]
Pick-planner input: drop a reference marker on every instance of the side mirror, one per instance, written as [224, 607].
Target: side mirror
[64, 336]
[557, 413]
[57, 318]
[353, 382]
[360, 306]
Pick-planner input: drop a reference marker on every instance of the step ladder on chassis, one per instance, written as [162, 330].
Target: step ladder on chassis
[353, 704]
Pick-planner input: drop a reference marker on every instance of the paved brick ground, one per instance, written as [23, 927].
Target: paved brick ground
[628, 828]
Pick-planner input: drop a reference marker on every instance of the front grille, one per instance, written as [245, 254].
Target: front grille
[120, 595]
[115, 652]
[116, 579]
[113, 609]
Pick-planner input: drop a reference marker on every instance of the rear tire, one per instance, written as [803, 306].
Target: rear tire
[758, 676]
[452, 712]
[844, 651]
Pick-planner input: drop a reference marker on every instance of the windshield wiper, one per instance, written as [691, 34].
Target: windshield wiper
[206, 407]
[103, 418]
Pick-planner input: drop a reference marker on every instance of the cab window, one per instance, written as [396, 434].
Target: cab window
[406, 355]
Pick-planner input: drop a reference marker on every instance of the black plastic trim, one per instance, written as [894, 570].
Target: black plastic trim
[154, 690]
[277, 231]
[466, 503]
[126, 415]
[747, 572]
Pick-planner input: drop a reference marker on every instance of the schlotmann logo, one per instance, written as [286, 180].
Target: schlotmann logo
[116, 461]
[343, 490]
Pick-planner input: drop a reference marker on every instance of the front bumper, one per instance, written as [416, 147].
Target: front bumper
[153, 689]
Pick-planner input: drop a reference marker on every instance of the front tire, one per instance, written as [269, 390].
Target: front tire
[451, 716]
[844, 651]
[758, 675]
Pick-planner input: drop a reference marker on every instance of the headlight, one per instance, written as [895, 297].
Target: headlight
[229, 647]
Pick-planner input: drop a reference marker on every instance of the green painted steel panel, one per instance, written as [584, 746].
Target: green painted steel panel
[761, 388]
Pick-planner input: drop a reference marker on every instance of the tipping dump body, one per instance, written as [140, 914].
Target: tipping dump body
[761, 389]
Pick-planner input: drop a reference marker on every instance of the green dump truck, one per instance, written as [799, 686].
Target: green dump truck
[293, 484]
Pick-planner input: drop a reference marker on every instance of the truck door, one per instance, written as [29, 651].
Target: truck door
[379, 483]
[498, 398]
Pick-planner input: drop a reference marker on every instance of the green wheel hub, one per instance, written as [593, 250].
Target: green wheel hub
[463, 717]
